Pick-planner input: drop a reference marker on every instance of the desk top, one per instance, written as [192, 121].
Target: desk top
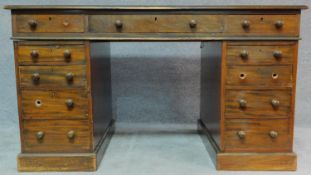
[90, 22]
[102, 7]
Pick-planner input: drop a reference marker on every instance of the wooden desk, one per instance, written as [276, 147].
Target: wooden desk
[248, 80]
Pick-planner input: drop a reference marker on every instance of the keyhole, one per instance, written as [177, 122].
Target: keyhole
[50, 18]
[155, 19]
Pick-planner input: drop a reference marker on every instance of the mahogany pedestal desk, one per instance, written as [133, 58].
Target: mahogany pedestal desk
[248, 79]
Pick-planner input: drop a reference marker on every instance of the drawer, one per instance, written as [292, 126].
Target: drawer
[39, 136]
[52, 76]
[49, 104]
[259, 76]
[263, 24]
[50, 54]
[257, 104]
[249, 135]
[48, 23]
[260, 53]
[167, 23]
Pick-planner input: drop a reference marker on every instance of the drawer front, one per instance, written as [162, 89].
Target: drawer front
[259, 54]
[259, 76]
[251, 135]
[52, 23]
[156, 23]
[70, 104]
[39, 136]
[51, 54]
[263, 24]
[257, 104]
[52, 76]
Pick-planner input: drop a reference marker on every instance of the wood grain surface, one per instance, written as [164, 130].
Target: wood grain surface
[53, 76]
[259, 76]
[51, 54]
[52, 104]
[257, 138]
[259, 104]
[50, 23]
[55, 138]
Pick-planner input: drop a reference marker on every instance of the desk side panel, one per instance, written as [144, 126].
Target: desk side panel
[100, 88]
[211, 53]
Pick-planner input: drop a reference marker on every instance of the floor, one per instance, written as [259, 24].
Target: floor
[156, 149]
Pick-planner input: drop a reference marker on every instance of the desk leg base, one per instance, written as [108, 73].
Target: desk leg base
[246, 161]
[256, 161]
[31, 162]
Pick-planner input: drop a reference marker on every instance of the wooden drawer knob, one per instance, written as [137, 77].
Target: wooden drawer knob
[70, 103]
[67, 55]
[71, 134]
[241, 134]
[35, 77]
[32, 24]
[34, 55]
[40, 135]
[118, 24]
[243, 103]
[193, 24]
[279, 24]
[69, 77]
[277, 54]
[244, 54]
[273, 134]
[66, 23]
[246, 25]
[275, 103]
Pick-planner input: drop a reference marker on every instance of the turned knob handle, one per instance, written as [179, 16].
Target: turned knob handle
[40, 135]
[275, 103]
[277, 54]
[71, 134]
[273, 134]
[246, 24]
[32, 24]
[243, 103]
[119, 24]
[69, 103]
[279, 24]
[193, 23]
[244, 54]
[34, 54]
[67, 55]
[69, 77]
[35, 77]
[241, 134]
[66, 23]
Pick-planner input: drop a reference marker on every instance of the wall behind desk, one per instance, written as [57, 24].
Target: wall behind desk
[153, 82]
